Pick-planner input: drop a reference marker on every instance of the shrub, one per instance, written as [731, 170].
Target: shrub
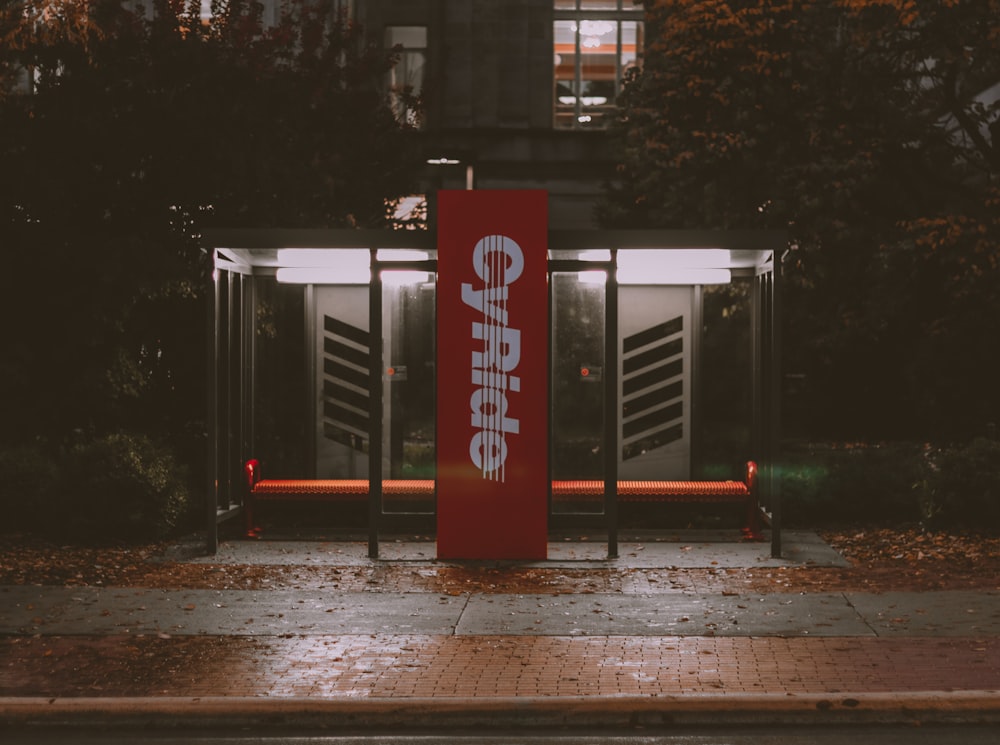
[874, 483]
[963, 486]
[122, 487]
[28, 480]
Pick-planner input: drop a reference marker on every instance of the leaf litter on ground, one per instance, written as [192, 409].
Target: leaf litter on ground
[882, 559]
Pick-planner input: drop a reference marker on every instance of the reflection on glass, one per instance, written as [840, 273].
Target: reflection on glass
[726, 377]
[598, 68]
[408, 453]
[577, 390]
[406, 77]
[279, 383]
[631, 44]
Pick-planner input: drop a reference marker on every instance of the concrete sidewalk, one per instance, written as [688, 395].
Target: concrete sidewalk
[408, 655]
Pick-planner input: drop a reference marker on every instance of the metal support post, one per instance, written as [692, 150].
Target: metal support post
[376, 364]
[611, 405]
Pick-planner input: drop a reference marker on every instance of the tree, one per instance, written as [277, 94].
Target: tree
[856, 127]
[137, 134]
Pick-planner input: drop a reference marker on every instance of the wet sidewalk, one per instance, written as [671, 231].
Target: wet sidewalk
[410, 652]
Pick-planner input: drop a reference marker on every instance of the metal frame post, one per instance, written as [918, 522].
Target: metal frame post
[375, 406]
[695, 459]
[774, 475]
[250, 334]
[226, 398]
[766, 372]
[611, 405]
[312, 378]
[212, 395]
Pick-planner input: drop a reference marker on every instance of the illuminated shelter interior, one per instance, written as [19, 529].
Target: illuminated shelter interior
[322, 365]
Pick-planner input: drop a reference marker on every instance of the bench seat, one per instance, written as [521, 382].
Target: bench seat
[353, 490]
[657, 491]
[333, 489]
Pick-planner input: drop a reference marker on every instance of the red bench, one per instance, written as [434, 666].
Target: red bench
[700, 492]
[322, 490]
[354, 490]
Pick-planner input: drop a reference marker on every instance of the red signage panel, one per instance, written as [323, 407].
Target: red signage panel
[492, 375]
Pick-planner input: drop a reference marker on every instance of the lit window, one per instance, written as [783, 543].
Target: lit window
[406, 78]
[595, 42]
[407, 213]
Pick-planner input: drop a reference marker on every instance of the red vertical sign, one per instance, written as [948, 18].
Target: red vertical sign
[492, 375]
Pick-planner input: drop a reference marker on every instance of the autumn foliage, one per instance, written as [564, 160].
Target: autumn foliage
[125, 134]
[867, 131]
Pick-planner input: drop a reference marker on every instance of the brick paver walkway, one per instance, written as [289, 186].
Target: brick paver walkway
[376, 666]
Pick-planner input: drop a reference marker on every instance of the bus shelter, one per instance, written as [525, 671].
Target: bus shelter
[327, 354]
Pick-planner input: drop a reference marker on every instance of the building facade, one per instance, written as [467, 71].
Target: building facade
[513, 94]
[516, 94]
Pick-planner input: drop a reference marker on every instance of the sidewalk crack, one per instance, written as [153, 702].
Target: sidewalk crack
[853, 607]
[461, 613]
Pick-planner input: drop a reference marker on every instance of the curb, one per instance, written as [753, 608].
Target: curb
[235, 713]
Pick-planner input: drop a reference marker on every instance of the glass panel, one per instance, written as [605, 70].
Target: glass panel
[411, 37]
[593, 254]
[564, 34]
[577, 389]
[725, 377]
[565, 4]
[598, 70]
[341, 369]
[281, 384]
[631, 44]
[408, 325]
[592, 55]
[406, 78]
[655, 328]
